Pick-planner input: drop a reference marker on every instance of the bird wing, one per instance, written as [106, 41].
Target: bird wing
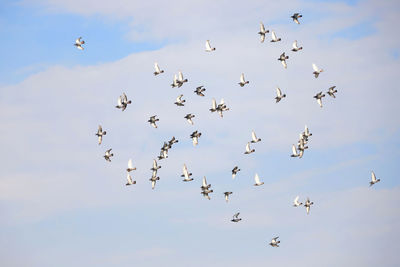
[124, 98]
[157, 67]
[100, 130]
[185, 171]
[262, 38]
[130, 165]
[178, 99]
[284, 63]
[373, 177]
[180, 76]
[278, 92]
[248, 147]
[253, 136]
[262, 28]
[315, 67]
[257, 178]
[273, 36]
[296, 200]
[294, 150]
[154, 164]
[242, 78]
[204, 182]
[129, 178]
[78, 41]
[319, 102]
[236, 215]
[222, 102]
[208, 46]
[295, 45]
[195, 140]
[214, 104]
[153, 184]
[120, 101]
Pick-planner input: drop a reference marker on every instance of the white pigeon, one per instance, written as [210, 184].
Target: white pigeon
[189, 118]
[279, 95]
[153, 180]
[254, 138]
[296, 17]
[262, 32]
[181, 81]
[296, 202]
[273, 37]
[108, 155]
[373, 179]
[274, 242]
[213, 105]
[308, 205]
[130, 166]
[295, 47]
[319, 97]
[306, 131]
[78, 43]
[257, 180]
[130, 181]
[175, 82]
[248, 150]
[317, 70]
[186, 174]
[294, 152]
[204, 185]
[179, 101]
[208, 47]
[242, 82]
[157, 69]
[100, 134]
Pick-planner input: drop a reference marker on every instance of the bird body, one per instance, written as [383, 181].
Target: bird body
[123, 102]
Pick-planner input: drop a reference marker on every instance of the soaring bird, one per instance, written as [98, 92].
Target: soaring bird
[186, 174]
[282, 58]
[179, 101]
[108, 155]
[208, 47]
[180, 80]
[130, 166]
[123, 102]
[373, 179]
[257, 180]
[332, 91]
[242, 82]
[296, 202]
[153, 180]
[130, 181]
[308, 205]
[155, 167]
[100, 134]
[262, 32]
[248, 150]
[199, 90]
[236, 218]
[189, 118]
[319, 97]
[153, 121]
[296, 17]
[273, 37]
[316, 71]
[254, 138]
[157, 69]
[78, 43]
[235, 170]
[274, 242]
[279, 95]
[295, 47]
[226, 194]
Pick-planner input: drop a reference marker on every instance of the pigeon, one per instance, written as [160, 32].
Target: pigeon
[257, 179]
[254, 138]
[248, 150]
[153, 180]
[206, 192]
[180, 80]
[172, 141]
[273, 36]
[242, 82]
[332, 91]
[186, 174]
[279, 95]
[274, 242]
[282, 58]
[227, 196]
[213, 105]
[308, 205]
[262, 32]
[130, 166]
[199, 90]
[296, 17]
[175, 82]
[317, 70]
[130, 181]
[204, 185]
[123, 102]
[295, 47]
[163, 154]
[100, 134]
[373, 179]
[221, 108]
[195, 137]
[306, 131]
[301, 145]
[319, 97]
[78, 43]
[179, 101]
[208, 47]
[108, 155]
[153, 121]
[294, 152]
[236, 217]
[158, 70]
[296, 202]
[155, 167]
[235, 170]
[189, 117]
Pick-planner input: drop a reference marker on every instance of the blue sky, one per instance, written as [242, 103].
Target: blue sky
[62, 204]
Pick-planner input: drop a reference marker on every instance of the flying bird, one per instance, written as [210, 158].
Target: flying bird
[295, 47]
[273, 37]
[296, 202]
[123, 102]
[262, 32]
[180, 80]
[186, 174]
[189, 118]
[78, 43]
[296, 17]
[153, 121]
[208, 47]
[199, 90]
[248, 150]
[274, 242]
[373, 179]
[179, 101]
[317, 70]
[195, 137]
[226, 194]
[254, 138]
[282, 58]
[332, 91]
[130, 166]
[157, 69]
[172, 141]
[242, 82]
[294, 152]
[213, 105]
[153, 180]
[236, 218]
[308, 205]
[279, 95]
[175, 81]
[235, 170]
[108, 155]
[257, 180]
[205, 185]
[319, 97]
[130, 181]
[100, 134]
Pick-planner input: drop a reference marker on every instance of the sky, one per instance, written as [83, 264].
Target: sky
[62, 204]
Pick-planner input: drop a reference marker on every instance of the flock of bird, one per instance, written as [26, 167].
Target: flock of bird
[178, 81]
